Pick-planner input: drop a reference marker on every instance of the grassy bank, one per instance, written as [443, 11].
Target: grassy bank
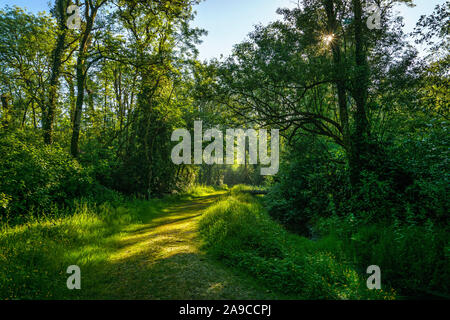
[239, 232]
[414, 259]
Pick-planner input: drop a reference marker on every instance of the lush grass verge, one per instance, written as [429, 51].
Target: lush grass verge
[239, 232]
[414, 259]
[242, 188]
[34, 256]
[200, 190]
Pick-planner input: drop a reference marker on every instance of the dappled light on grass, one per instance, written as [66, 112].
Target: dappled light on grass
[158, 242]
[142, 250]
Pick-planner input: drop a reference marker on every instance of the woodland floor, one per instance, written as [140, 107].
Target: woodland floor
[162, 259]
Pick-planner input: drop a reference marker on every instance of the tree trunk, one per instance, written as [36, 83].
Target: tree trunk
[6, 111]
[90, 15]
[25, 112]
[72, 99]
[360, 137]
[341, 78]
[81, 82]
[48, 116]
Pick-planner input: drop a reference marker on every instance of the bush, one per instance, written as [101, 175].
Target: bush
[411, 187]
[223, 186]
[34, 177]
[240, 188]
[307, 183]
[229, 229]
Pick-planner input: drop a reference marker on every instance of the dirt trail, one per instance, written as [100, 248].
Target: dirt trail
[162, 260]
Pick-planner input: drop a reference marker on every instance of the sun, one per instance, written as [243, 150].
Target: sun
[328, 38]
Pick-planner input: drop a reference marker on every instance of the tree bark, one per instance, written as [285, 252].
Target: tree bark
[90, 14]
[6, 111]
[361, 135]
[48, 116]
[72, 99]
[340, 78]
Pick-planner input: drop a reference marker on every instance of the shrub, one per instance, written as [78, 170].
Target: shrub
[307, 184]
[240, 188]
[34, 177]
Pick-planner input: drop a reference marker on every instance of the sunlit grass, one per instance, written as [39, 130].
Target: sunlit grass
[138, 250]
[240, 188]
[34, 256]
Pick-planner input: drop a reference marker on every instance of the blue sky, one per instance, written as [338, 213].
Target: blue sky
[229, 21]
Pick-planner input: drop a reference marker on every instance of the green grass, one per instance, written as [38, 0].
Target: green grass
[239, 232]
[136, 250]
[414, 259]
[240, 188]
[152, 250]
[35, 255]
[200, 191]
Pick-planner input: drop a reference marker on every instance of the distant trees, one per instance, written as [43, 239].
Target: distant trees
[157, 52]
[26, 42]
[434, 31]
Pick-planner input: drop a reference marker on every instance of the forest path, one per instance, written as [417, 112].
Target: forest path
[162, 259]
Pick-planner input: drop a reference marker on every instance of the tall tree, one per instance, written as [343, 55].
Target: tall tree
[155, 30]
[90, 14]
[26, 45]
[60, 12]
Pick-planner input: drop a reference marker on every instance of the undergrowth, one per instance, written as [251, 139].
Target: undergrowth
[239, 232]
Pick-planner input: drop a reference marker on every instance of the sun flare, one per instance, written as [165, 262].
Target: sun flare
[328, 38]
